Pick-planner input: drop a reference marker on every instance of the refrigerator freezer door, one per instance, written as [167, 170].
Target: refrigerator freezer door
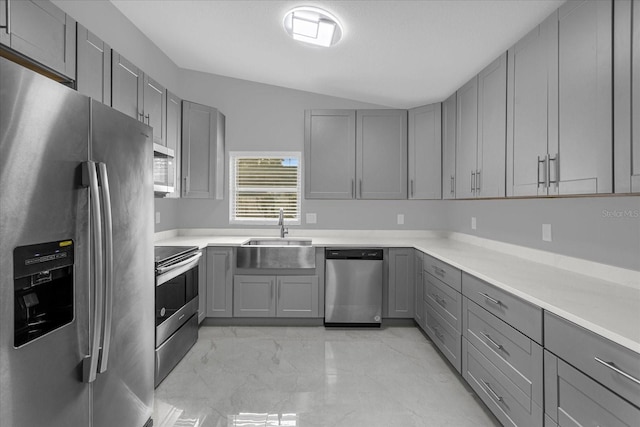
[43, 142]
[123, 393]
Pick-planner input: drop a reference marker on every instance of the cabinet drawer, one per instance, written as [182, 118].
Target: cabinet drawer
[574, 399]
[443, 271]
[443, 335]
[507, 402]
[516, 355]
[446, 301]
[607, 362]
[524, 316]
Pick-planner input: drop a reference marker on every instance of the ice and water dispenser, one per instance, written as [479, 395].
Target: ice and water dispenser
[43, 289]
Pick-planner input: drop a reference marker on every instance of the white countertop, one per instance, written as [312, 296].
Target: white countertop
[601, 298]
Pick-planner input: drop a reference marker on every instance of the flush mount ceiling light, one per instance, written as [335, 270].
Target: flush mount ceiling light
[313, 25]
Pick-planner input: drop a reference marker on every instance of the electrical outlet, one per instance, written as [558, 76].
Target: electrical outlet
[546, 232]
[157, 217]
[473, 223]
[312, 218]
[400, 219]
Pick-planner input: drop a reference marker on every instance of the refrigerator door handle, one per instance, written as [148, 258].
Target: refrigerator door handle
[90, 362]
[108, 266]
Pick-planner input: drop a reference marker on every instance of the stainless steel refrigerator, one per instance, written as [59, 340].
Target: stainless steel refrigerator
[76, 259]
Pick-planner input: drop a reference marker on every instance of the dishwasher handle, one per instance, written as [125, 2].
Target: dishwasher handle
[374, 254]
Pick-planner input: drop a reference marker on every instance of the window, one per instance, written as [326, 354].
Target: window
[261, 184]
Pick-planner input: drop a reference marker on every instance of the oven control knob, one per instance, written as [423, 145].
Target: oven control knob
[162, 311]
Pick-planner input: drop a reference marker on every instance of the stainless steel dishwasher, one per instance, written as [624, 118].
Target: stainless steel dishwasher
[353, 290]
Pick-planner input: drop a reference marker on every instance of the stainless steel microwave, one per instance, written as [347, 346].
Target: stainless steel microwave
[164, 170]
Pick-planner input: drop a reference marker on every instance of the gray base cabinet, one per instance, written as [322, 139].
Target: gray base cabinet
[400, 295]
[425, 147]
[219, 282]
[202, 286]
[275, 296]
[203, 134]
[94, 66]
[418, 297]
[42, 32]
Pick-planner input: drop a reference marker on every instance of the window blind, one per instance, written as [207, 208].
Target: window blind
[261, 185]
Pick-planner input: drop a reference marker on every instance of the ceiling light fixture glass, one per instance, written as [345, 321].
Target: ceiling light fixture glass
[313, 25]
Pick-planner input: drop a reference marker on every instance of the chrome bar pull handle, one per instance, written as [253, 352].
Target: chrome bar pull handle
[90, 362]
[493, 394]
[148, 119]
[7, 8]
[488, 298]
[473, 182]
[495, 344]
[544, 168]
[108, 266]
[556, 170]
[353, 188]
[361, 188]
[452, 184]
[477, 181]
[412, 193]
[617, 370]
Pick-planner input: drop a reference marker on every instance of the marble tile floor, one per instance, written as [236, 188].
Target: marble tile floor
[315, 377]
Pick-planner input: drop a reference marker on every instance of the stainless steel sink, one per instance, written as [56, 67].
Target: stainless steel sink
[267, 252]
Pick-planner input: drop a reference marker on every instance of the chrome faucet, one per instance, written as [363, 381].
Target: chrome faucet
[283, 230]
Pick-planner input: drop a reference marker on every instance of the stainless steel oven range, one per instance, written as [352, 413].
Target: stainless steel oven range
[176, 305]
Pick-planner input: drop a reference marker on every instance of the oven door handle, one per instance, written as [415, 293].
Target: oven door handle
[165, 274]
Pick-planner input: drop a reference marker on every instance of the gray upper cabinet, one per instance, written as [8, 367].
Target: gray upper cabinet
[449, 148]
[481, 133]
[466, 139]
[154, 108]
[492, 122]
[584, 160]
[626, 86]
[356, 154]
[425, 148]
[532, 121]
[203, 130]
[40, 31]
[381, 160]
[127, 83]
[94, 66]
[174, 135]
[330, 154]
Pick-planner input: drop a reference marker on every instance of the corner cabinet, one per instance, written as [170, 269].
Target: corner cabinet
[203, 133]
[425, 152]
[93, 66]
[40, 31]
[449, 148]
[626, 86]
[356, 154]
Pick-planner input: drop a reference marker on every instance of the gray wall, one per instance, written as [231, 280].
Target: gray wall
[602, 229]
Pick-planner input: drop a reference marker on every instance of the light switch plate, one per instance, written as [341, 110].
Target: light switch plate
[546, 232]
[312, 218]
[400, 219]
[157, 217]
[473, 222]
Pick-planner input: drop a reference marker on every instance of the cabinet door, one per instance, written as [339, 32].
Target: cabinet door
[174, 136]
[400, 294]
[418, 293]
[297, 296]
[626, 97]
[425, 152]
[449, 148]
[94, 66]
[253, 296]
[531, 61]
[155, 109]
[219, 282]
[330, 154]
[202, 151]
[381, 147]
[126, 86]
[584, 157]
[202, 286]
[42, 32]
[466, 139]
[492, 125]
